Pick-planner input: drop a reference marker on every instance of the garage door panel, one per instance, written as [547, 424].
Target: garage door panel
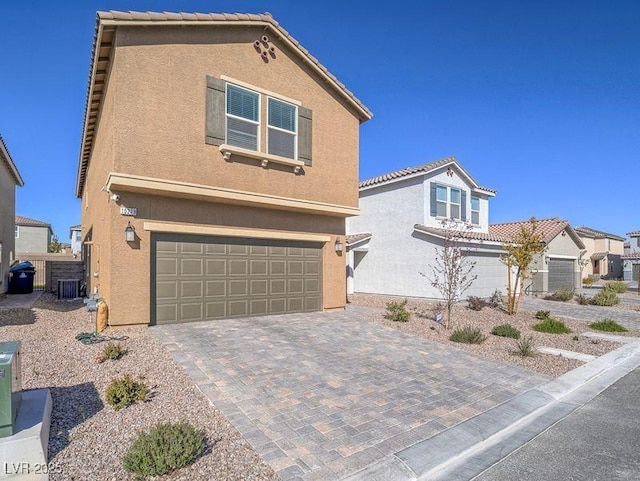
[205, 277]
[491, 272]
[561, 274]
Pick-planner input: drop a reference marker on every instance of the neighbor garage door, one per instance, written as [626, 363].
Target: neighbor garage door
[561, 274]
[198, 278]
[491, 272]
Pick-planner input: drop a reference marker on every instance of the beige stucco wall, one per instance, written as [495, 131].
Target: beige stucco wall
[33, 239]
[152, 124]
[7, 219]
[159, 75]
[614, 247]
[559, 246]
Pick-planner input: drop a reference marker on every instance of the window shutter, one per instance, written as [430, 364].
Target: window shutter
[434, 206]
[215, 114]
[304, 135]
[463, 202]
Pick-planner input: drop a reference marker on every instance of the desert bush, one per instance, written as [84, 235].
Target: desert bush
[164, 449]
[506, 330]
[551, 326]
[496, 300]
[542, 315]
[605, 298]
[467, 335]
[123, 392]
[397, 311]
[583, 299]
[608, 325]
[113, 351]
[476, 303]
[588, 281]
[563, 295]
[618, 287]
[525, 347]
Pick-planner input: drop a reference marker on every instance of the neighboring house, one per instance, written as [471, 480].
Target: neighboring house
[393, 243]
[32, 236]
[228, 156]
[631, 257]
[9, 179]
[559, 266]
[75, 234]
[604, 253]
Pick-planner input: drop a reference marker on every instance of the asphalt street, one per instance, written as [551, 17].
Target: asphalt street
[598, 442]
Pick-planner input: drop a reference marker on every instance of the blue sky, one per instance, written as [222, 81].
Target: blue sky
[537, 99]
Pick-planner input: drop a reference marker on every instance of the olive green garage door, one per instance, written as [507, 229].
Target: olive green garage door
[561, 274]
[196, 278]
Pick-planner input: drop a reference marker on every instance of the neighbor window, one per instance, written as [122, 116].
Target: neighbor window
[454, 204]
[17, 231]
[441, 201]
[475, 210]
[78, 235]
[282, 128]
[243, 117]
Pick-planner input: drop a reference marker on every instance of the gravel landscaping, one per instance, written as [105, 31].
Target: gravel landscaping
[88, 437]
[422, 323]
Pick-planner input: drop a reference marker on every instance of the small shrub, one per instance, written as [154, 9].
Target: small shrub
[526, 347]
[605, 298]
[122, 393]
[506, 330]
[608, 325]
[164, 449]
[397, 311]
[618, 287]
[563, 295]
[496, 300]
[575, 338]
[476, 303]
[542, 315]
[588, 281]
[111, 351]
[551, 326]
[583, 299]
[467, 335]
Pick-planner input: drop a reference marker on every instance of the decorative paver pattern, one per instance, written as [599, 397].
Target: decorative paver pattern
[323, 395]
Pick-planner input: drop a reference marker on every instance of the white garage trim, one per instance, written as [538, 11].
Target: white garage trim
[176, 228]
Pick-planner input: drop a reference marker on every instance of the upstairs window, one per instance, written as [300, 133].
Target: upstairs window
[448, 202]
[454, 204]
[243, 117]
[441, 201]
[78, 235]
[475, 210]
[282, 132]
[17, 231]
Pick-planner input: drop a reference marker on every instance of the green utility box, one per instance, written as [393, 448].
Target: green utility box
[10, 386]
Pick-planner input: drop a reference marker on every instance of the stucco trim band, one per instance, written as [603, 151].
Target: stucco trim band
[176, 228]
[117, 182]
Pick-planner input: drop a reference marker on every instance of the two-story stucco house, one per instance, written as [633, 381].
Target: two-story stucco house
[9, 179]
[604, 253]
[32, 236]
[219, 161]
[393, 243]
[559, 266]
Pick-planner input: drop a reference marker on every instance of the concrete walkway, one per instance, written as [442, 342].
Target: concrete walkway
[326, 396]
[20, 301]
[629, 319]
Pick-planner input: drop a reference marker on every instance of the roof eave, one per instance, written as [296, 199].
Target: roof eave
[13, 169]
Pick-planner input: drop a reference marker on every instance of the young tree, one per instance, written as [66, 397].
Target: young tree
[520, 252]
[452, 273]
[54, 246]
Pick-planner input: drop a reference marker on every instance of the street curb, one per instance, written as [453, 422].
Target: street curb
[467, 449]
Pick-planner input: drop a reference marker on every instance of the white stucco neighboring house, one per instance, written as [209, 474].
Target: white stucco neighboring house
[393, 243]
[75, 234]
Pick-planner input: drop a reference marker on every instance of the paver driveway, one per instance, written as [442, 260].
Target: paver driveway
[321, 396]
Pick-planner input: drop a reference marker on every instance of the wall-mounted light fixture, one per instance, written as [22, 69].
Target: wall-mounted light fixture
[129, 233]
[338, 246]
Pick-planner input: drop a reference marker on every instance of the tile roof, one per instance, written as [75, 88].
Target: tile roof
[353, 238]
[598, 256]
[465, 234]
[20, 220]
[5, 157]
[635, 233]
[423, 168]
[75, 227]
[100, 59]
[631, 255]
[596, 234]
[548, 229]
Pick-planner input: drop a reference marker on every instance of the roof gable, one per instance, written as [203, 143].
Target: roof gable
[5, 158]
[424, 169]
[548, 229]
[107, 22]
[596, 234]
[26, 221]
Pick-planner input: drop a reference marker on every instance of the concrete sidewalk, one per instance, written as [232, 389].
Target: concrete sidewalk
[20, 301]
[464, 451]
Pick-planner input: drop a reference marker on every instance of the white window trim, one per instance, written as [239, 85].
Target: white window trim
[449, 202]
[16, 232]
[266, 92]
[472, 210]
[227, 114]
[295, 133]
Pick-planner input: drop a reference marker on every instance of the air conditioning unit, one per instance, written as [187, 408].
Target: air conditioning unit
[68, 288]
[10, 386]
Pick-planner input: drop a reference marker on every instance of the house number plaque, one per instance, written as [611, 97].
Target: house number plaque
[128, 210]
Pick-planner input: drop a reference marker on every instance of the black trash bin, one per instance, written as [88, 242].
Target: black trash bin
[21, 278]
